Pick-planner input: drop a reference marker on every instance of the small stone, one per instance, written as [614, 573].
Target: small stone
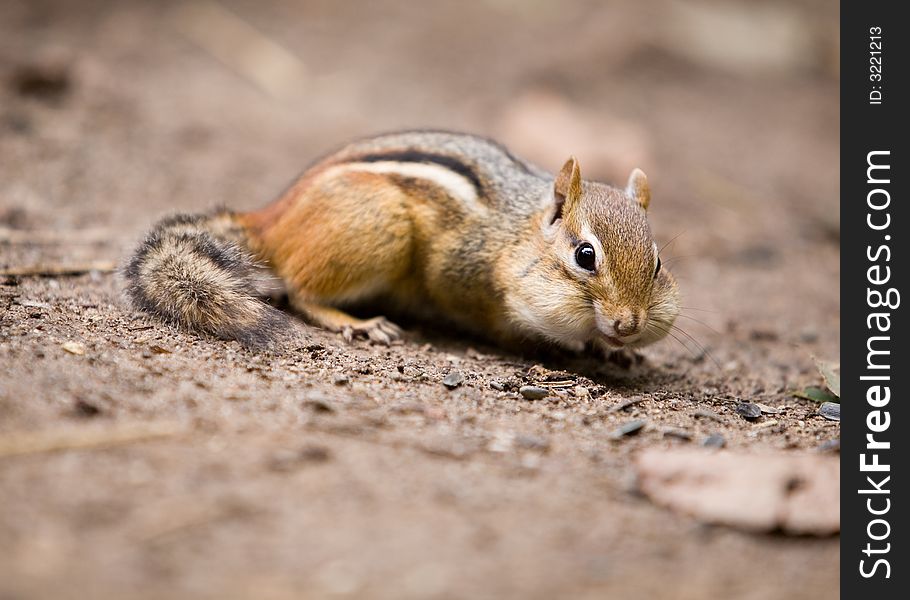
[679, 434]
[715, 440]
[453, 380]
[630, 428]
[314, 454]
[48, 80]
[341, 379]
[86, 409]
[768, 410]
[319, 404]
[533, 392]
[498, 385]
[532, 442]
[628, 402]
[748, 410]
[763, 335]
[74, 348]
[808, 336]
[830, 411]
[829, 446]
[286, 460]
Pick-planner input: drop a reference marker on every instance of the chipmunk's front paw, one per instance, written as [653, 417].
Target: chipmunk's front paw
[625, 358]
[378, 330]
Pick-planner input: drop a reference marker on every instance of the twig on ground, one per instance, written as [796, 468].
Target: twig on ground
[58, 440]
[242, 48]
[103, 266]
[51, 236]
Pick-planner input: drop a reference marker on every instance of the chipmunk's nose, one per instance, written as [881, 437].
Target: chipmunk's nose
[629, 323]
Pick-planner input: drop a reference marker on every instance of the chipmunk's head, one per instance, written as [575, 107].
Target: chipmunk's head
[599, 276]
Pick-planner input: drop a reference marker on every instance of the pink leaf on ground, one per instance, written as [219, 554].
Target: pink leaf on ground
[796, 493]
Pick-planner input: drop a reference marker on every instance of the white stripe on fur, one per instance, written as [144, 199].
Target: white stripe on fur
[453, 183]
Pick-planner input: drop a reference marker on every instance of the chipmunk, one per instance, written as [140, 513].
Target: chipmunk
[442, 226]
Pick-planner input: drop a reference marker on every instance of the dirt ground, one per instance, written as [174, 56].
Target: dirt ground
[140, 461]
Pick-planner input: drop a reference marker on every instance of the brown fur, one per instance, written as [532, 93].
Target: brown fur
[196, 272]
[440, 226]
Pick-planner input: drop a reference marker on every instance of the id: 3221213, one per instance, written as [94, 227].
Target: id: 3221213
[875, 65]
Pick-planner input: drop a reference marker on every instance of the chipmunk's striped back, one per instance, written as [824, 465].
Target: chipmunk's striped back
[499, 179]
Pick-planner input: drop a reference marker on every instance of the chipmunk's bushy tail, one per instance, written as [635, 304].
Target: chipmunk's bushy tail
[196, 271]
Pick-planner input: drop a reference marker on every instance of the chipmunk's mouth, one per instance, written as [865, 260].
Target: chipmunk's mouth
[611, 341]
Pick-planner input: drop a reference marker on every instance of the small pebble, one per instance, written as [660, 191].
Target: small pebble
[768, 410]
[341, 379]
[498, 385]
[679, 434]
[829, 446]
[630, 428]
[626, 404]
[830, 410]
[453, 380]
[74, 348]
[715, 440]
[86, 409]
[532, 442]
[808, 336]
[286, 460]
[320, 405]
[48, 81]
[763, 335]
[533, 392]
[748, 410]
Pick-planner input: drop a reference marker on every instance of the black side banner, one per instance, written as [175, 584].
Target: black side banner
[875, 59]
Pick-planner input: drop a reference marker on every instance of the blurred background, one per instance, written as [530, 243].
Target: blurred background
[115, 112]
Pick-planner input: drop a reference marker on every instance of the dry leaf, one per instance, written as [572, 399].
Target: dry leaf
[831, 373]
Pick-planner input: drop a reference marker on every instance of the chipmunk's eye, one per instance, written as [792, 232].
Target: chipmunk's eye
[657, 270]
[585, 256]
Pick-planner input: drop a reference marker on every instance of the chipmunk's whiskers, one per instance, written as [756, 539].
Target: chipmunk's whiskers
[699, 321]
[668, 330]
[672, 239]
[707, 310]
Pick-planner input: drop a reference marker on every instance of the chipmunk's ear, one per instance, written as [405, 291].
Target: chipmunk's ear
[637, 189]
[566, 188]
